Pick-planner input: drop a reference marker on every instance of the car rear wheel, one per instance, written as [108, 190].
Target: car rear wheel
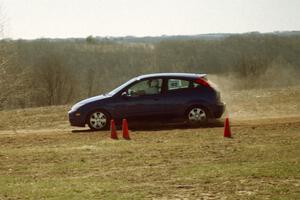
[98, 120]
[197, 115]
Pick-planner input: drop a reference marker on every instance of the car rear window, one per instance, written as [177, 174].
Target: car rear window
[175, 84]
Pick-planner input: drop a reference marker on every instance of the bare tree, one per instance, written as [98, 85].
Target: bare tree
[54, 82]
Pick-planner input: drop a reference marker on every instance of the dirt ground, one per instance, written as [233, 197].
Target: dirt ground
[42, 157]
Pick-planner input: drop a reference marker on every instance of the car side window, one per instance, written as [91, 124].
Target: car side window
[146, 87]
[175, 84]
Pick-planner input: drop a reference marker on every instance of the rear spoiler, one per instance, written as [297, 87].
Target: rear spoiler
[203, 76]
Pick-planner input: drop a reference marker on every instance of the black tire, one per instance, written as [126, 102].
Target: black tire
[98, 120]
[197, 115]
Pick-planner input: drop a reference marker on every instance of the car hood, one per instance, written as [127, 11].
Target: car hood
[89, 100]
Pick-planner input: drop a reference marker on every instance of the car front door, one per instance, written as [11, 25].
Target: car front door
[143, 100]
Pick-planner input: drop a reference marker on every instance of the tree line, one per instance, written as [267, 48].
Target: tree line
[46, 72]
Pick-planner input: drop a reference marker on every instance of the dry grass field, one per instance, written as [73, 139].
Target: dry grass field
[42, 157]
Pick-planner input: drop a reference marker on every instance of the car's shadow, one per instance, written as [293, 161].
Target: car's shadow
[161, 126]
[83, 131]
[171, 126]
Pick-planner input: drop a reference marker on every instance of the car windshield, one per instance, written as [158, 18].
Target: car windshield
[118, 89]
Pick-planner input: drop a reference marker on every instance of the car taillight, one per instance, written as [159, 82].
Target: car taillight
[203, 82]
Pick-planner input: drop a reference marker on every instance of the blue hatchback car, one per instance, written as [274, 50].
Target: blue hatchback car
[154, 97]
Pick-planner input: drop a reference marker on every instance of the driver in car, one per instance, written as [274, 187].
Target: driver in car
[153, 87]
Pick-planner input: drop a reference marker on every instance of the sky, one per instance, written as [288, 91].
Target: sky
[30, 19]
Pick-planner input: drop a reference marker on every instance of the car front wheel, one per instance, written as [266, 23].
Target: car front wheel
[98, 120]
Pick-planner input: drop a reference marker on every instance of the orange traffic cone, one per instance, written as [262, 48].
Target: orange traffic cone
[227, 131]
[125, 130]
[113, 130]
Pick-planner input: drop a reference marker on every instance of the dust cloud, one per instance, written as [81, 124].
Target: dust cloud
[275, 93]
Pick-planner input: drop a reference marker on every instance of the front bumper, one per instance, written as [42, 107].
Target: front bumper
[76, 120]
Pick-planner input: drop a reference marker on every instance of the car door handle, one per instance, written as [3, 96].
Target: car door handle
[156, 99]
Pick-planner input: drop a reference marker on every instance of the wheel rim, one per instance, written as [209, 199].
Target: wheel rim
[98, 120]
[197, 115]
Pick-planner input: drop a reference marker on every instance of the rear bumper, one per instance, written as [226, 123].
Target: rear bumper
[218, 110]
[76, 120]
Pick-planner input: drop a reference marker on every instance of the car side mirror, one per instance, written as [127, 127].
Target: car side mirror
[124, 95]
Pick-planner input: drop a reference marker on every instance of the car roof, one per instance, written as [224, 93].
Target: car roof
[172, 75]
